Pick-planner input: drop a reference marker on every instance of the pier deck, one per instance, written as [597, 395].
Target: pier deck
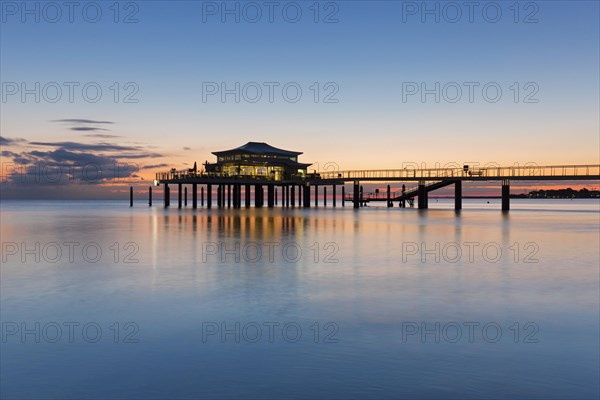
[229, 187]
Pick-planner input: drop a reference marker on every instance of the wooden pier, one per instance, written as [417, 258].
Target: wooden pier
[239, 191]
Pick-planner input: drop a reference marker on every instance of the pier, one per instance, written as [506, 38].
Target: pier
[243, 174]
[237, 191]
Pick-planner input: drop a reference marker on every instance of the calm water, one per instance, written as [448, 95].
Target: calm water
[328, 303]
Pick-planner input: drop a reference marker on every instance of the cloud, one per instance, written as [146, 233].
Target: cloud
[77, 168]
[103, 136]
[82, 121]
[4, 141]
[77, 122]
[187, 148]
[89, 146]
[87, 128]
[61, 167]
[62, 156]
[155, 166]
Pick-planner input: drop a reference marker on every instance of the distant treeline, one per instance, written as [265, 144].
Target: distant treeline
[564, 194]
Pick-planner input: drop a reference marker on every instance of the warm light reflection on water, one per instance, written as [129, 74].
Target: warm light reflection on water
[370, 273]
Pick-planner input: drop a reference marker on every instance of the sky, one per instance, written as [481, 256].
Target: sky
[138, 87]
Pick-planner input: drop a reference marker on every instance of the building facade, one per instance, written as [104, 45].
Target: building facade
[258, 160]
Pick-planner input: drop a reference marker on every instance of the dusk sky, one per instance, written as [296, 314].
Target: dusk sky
[369, 61]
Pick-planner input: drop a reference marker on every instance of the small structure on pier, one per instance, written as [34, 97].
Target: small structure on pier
[258, 160]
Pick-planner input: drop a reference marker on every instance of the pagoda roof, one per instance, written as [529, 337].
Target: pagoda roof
[258, 148]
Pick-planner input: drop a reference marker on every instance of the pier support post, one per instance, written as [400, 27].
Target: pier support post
[362, 196]
[344, 195]
[334, 195]
[258, 195]
[228, 196]
[234, 195]
[179, 195]
[194, 195]
[423, 201]
[293, 196]
[306, 200]
[218, 196]
[403, 202]
[149, 196]
[185, 196]
[202, 196]
[316, 195]
[389, 198]
[355, 195]
[167, 196]
[270, 195]
[247, 194]
[130, 196]
[505, 195]
[276, 196]
[261, 193]
[324, 196]
[458, 195]
[300, 195]
[209, 195]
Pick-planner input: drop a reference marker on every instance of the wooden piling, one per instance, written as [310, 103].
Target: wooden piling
[179, 195]
[458, 195]
[505, 195]
[334, 188]
[208, 195]
[306, 199]
[362, 198]
[228, 196]
[270, 195]
[167, 196]
[194, 195]
[422, 194]
[389, 194]
[247, 194]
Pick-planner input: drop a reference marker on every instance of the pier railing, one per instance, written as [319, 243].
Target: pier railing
[185, 174]
[467, 172]
[515, 172]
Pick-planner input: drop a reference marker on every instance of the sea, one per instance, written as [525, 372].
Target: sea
[99, 300]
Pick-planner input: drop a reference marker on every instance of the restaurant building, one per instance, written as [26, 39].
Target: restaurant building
[258, 160]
